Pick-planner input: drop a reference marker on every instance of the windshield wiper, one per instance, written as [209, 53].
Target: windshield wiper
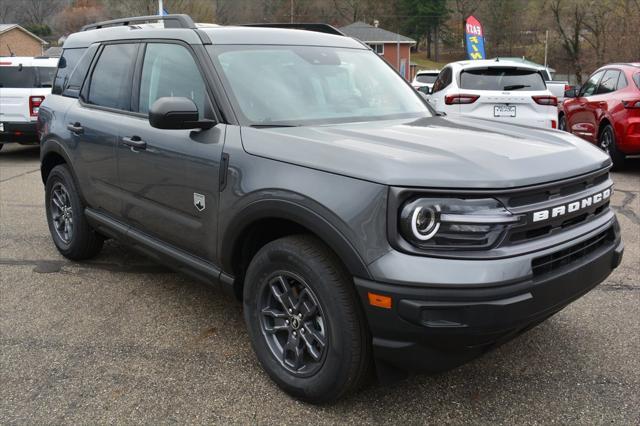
[516, 86]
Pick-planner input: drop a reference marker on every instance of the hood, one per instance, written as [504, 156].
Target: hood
[434, 152]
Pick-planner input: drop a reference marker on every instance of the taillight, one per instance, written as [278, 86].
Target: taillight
[460, 99]
[554, 124]
[633, 103]
[34, 104]
[545, 100]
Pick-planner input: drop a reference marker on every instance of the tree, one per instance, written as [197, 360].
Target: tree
[77, 14]
[569, 20]
[423, 19]
[36, 12]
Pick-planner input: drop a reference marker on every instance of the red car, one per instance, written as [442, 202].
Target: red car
[606, 110]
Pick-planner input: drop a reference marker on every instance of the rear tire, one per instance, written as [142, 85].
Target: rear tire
[304, 320]
[607, 142]
[71, 234]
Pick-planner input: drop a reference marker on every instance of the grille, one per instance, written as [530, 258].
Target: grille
[547, 197]
[545, 264]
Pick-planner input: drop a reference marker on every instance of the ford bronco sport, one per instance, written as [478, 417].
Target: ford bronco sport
[360, 229]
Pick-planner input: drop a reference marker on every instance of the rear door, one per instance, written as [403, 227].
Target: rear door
[94, 121]
[170, 185]
[506, 94]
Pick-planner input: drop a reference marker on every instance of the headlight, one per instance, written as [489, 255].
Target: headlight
[453, 223]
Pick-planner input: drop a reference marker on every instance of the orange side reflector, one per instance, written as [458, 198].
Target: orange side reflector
[379, 300]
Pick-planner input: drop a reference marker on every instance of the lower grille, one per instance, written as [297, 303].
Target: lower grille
[545, 264]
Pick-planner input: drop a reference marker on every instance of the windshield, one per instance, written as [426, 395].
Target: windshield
[501, 79]
[426, 78]
[26, 77]
[297, 85]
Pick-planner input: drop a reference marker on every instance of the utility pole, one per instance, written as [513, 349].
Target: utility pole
[546, 43]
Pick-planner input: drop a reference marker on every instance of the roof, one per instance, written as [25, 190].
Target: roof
[484, 63]
[522, 60]
[218, 34]
[370, 34]
[54, 51]
[8, 27]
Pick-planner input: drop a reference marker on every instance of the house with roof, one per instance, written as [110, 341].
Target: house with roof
[18, 41]
[394, 48]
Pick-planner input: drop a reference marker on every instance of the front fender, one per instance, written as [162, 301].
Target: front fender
[272, 208]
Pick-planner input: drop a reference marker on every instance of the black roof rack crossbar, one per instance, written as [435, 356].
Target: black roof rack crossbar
[317, 27]
[170, 21]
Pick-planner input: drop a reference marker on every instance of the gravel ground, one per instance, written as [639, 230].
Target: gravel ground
[122, 340]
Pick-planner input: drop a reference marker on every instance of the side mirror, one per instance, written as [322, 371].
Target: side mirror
[177, 113]
[571, 93]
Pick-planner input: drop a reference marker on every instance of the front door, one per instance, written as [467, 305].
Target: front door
[580, 112]
[170, 181]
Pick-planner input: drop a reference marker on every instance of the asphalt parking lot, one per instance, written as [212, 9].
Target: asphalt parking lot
[122, 340]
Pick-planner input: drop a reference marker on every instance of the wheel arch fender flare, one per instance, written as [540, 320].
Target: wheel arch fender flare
[294, 212]
[53, 146]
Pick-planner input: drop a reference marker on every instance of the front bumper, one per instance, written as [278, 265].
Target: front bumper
[432, 327]
[20, 132]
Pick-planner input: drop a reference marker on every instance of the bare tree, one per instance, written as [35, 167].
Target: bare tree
[7, 12]
[597, 25]
[569, 20]
[37, 12]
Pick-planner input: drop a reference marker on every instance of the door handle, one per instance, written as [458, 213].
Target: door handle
[134, 142]
[75, 128]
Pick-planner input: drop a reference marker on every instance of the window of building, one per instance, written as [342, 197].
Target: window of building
[378, 48]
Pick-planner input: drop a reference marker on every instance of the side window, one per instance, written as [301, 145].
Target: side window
[66, 65]
[636, 79]
[170, 70]
[591, 85]
[622, 81]
[110, 84]
[609, 82]
[444, 79]
[74, 84]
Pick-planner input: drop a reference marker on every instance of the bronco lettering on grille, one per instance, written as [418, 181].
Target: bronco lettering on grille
[572, 207]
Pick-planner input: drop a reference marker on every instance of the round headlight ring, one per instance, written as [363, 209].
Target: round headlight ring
[422, 231]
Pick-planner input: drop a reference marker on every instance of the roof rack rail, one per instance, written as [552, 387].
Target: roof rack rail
[317, 27]
[170, 21]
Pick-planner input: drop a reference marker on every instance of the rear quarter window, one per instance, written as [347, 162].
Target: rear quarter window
[66, 65]
[636, 79]
[501, 79]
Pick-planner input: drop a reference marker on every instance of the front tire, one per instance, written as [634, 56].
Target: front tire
[71, 234]
[607, 142]
[304, 320]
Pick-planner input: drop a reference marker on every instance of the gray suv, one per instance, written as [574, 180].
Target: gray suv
[296, 169]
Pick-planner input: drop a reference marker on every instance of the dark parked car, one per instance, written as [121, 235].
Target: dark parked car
[606, 110]
[357, 226]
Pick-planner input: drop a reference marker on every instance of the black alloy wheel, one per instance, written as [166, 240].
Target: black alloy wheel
[293, 323]
[61, 212]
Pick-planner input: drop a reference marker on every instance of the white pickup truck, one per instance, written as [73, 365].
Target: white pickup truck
[24, 83]
[556, 87]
